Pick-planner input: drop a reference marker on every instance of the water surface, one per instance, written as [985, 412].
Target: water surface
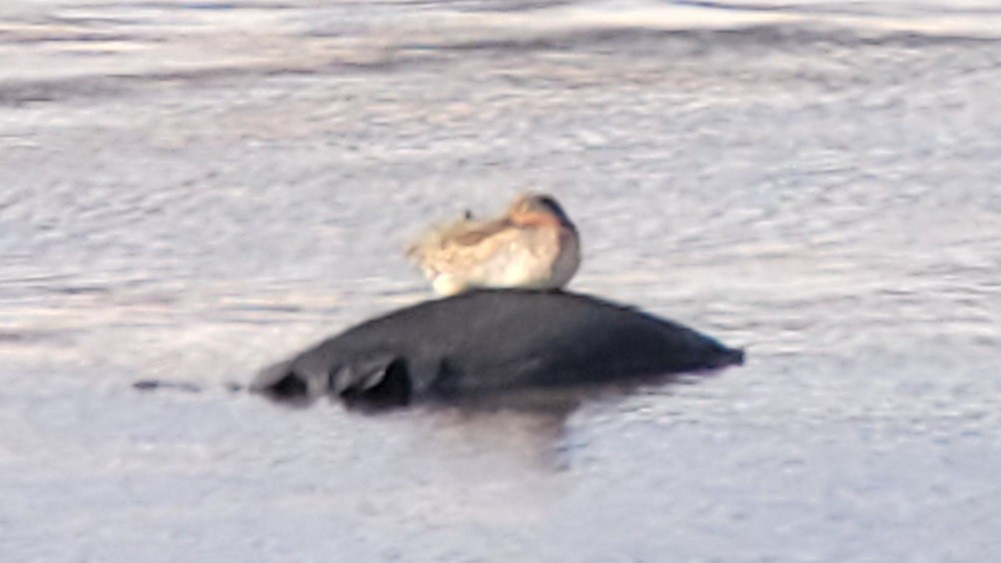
[190, 190]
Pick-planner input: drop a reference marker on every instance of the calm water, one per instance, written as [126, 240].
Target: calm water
[190, 190]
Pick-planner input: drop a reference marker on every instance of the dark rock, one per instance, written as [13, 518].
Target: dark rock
[486, 342]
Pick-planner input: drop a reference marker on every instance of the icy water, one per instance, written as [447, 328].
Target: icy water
[191, 190]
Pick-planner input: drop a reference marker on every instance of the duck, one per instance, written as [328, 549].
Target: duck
[533, 245]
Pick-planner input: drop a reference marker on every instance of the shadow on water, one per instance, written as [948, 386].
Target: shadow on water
[531, 425]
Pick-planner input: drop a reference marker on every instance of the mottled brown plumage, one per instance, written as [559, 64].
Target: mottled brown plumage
[534, 245]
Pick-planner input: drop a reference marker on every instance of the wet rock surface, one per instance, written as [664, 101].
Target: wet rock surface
[486, 342]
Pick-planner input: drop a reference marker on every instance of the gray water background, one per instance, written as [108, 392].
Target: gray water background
[191, 190]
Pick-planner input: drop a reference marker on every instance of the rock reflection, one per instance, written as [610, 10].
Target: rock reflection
[533, 427]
